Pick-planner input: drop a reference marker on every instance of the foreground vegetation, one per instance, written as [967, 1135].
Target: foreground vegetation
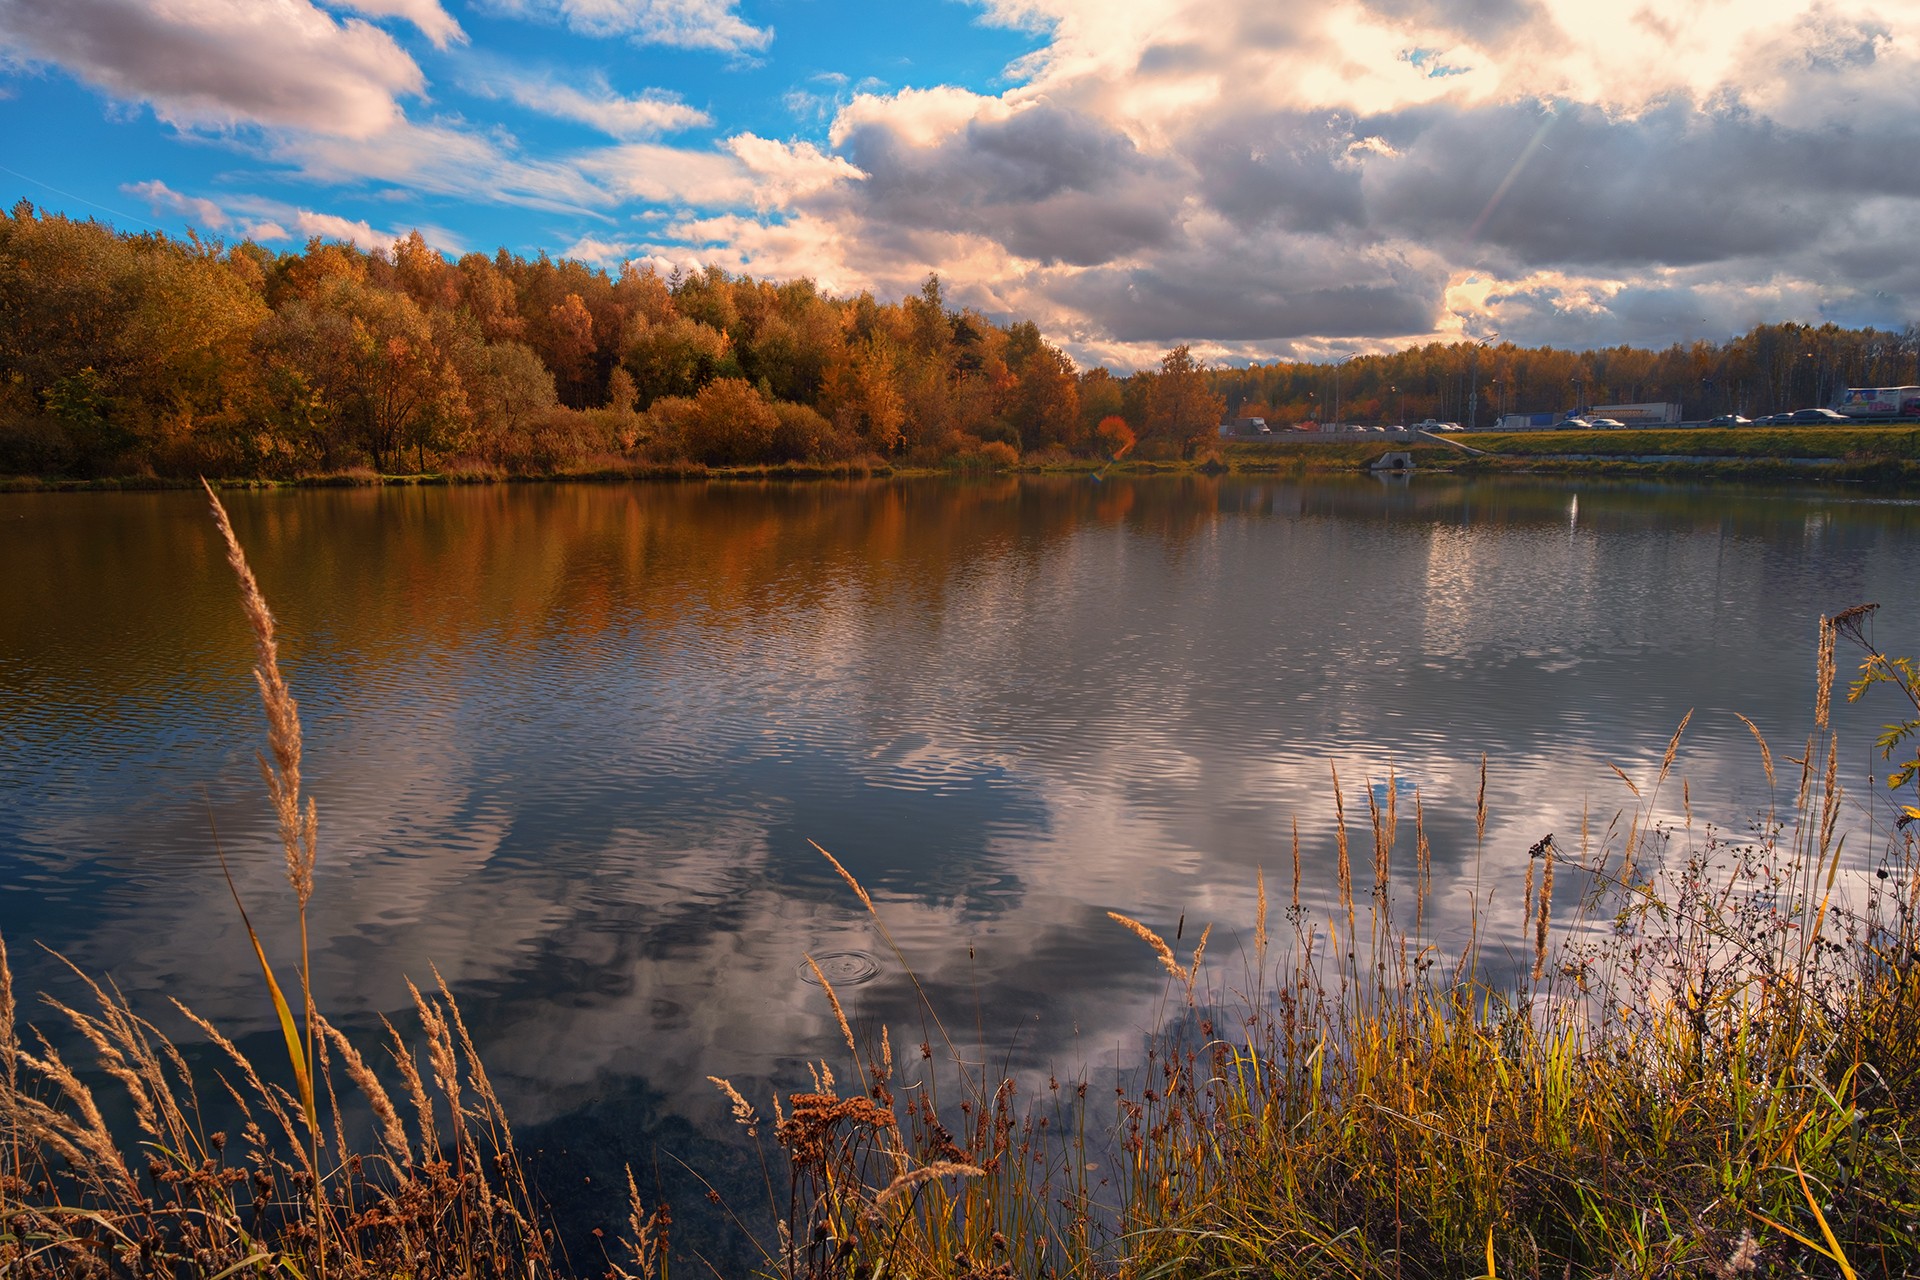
[1706, 1064]
[1718, 1077]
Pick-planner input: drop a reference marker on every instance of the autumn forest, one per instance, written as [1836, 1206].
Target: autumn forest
[145, 355]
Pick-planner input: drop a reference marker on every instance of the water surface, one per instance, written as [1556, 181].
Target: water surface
[570, 744]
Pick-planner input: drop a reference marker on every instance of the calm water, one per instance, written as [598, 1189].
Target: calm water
[570, 743]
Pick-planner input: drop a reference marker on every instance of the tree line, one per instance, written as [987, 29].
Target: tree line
[1770, 368]
[124, 353]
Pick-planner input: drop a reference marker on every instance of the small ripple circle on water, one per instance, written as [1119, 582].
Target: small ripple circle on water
[841, 968]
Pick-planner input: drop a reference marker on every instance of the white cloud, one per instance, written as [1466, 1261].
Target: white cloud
[787, 171]
[333, 227]
[597, 105]
[445, 160]
[224, 63]
[685, 24]
[308, 223]
[265, 219]
[434, 22]
[919, 117]
[749, 171]
[792, 248]
[600, 252]
[165, 199]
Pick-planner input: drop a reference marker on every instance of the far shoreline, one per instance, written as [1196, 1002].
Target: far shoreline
[1877, 458]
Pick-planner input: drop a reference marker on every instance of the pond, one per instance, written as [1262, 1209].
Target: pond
[572, 746]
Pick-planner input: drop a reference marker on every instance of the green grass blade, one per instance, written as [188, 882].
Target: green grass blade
[296, 1052]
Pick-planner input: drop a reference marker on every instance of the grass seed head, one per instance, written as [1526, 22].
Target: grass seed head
[1154, 940]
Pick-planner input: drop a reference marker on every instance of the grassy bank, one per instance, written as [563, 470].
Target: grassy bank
[1885, 457]
[1882, 457]
[1864, 443]
[1700, 1057]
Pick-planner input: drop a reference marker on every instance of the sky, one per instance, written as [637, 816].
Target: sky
[1260, 179]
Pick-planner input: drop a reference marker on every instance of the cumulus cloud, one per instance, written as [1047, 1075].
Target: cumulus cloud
[1279, 180]
[1054, 185]
[1291, 289]
[224, 63]
[685, 24]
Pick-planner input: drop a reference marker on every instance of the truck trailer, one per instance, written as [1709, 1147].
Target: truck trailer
[1879, 402]
[1638, 415]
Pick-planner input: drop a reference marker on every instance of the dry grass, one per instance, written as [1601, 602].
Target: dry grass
[292, 1188]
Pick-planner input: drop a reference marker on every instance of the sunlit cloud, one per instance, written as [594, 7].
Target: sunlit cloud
[224, 63]
[747, 171]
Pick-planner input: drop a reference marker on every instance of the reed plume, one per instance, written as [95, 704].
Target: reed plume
[833, 998]
[907, 1181]
[299, 830]
[1823, 673]
[1159, 944]
[1260, 915]
[743, 1112]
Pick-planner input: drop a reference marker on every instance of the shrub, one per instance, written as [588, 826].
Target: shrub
[1115, 437]
[803, 435]
[728, 423]
[999, 455]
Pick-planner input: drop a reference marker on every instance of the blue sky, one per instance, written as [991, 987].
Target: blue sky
[1256, 177]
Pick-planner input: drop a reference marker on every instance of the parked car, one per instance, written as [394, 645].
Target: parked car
[1817, 415]
[1606, 424]
[1730, 420]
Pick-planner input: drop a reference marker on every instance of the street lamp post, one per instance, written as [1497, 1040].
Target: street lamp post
[1336, 385]
[1473, 383]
